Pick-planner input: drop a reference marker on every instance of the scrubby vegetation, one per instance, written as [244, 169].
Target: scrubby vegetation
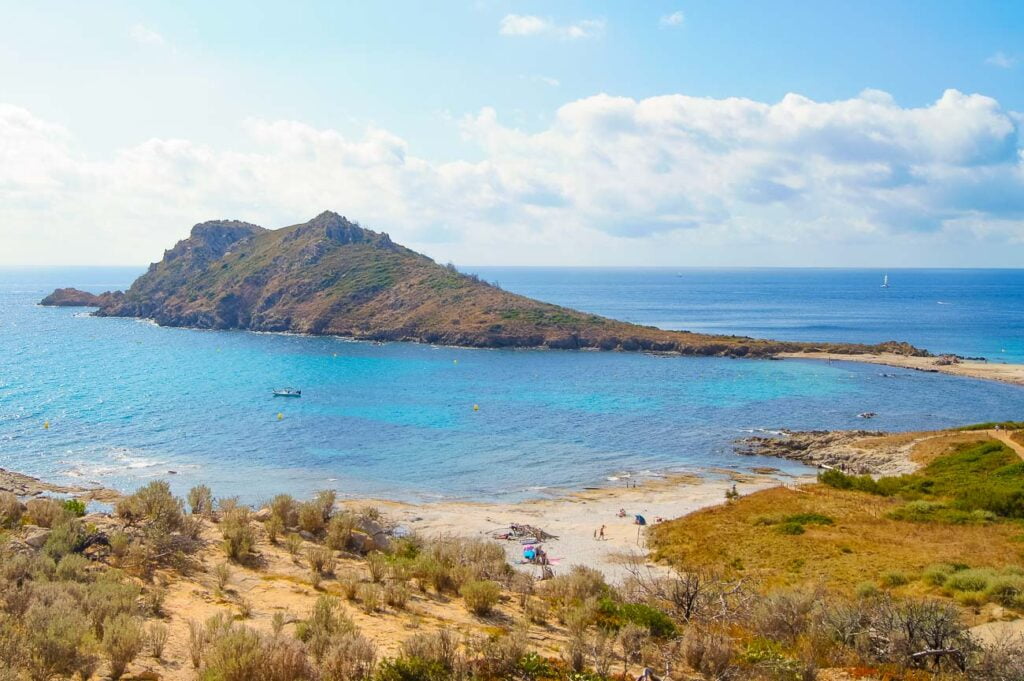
[975, 483]
[86, 600]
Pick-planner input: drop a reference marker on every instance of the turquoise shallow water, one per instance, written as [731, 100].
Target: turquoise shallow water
[127, 401]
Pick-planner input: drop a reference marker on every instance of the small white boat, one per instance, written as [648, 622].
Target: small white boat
[885, 281]
[287, 392]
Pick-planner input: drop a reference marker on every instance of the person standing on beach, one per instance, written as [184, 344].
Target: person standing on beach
[600, 534]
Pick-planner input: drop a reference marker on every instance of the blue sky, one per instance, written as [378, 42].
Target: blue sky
[139, 119]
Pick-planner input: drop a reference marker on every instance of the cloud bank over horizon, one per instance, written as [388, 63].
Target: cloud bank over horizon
[664, 180]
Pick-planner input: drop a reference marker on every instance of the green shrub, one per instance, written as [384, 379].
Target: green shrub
[894, 578]
[123, 640]
[349, 656]
[154, 503]
[976, 580]
[369, 597]
[311, 517]
[10, 510]
[67, 537]
[790, 528]
[339, 531]
[1006, 590]
[119, 543]
[74, 507]
[157, 639]
[239, 538]
[410, 669]
[45, 512]
[200, 500]
[293, 543]
[866, 590]
[106, 599]
[653, 621]
[274, 528]
[234, 653]
[58, 639]
[377, 564]
[936, 574]
[284, 507]
[808, 519]
[480, 596]
[321, 560]
[71, 568]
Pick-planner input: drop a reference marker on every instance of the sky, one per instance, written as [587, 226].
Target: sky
[699, 133]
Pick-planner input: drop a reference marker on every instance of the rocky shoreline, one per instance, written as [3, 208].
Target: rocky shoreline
[22, 486]
[860, 452]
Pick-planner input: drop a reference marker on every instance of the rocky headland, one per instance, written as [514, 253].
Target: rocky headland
[862, 452]
[330, 276]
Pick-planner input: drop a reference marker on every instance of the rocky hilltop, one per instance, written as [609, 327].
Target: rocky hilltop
[331, 276]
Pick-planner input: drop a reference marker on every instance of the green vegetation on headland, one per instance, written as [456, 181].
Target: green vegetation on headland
[330, 276]
[973, 483]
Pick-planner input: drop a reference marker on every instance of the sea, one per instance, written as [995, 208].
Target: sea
[120, 402]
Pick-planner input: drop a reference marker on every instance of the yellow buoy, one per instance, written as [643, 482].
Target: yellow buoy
[476, 407]
[280, 416]
[46, 425]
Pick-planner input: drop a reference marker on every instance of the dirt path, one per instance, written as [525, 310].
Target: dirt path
[1004, 436]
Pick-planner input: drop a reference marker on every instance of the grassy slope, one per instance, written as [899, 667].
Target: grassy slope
[864, 542]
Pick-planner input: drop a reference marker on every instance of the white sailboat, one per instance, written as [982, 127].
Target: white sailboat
[885, 281]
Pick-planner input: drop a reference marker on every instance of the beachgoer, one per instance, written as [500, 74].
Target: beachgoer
[600, 534]
[622, 513]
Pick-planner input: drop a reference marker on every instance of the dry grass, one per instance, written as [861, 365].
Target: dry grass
[862, 544]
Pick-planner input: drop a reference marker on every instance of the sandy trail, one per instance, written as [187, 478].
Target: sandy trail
[1004, 437]
[576, 517]
[992, 371]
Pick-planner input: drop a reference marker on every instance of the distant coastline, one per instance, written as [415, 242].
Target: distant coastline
[945, 364]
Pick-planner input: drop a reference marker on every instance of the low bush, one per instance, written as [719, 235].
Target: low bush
[73, 507]
[311, 517]
[67, 537]
[339, 531]
[894, 578]
[369, 597]
[321, 560]
[396, 594]
[1006, 590]
[45, 512]
[236, 529]
[976, 580]
[349, 656]
[284, 507]
[936, 574]
[480, 596]
[123, 640]
[10, 510]
[200, 500]
[157, 639]
[410, 669]
[71, 568]
[274, 528]
[293, 544]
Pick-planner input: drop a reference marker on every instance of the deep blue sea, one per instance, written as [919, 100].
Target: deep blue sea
[127, 401]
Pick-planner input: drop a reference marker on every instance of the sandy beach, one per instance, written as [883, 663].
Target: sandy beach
[992, 371]
[575, 517]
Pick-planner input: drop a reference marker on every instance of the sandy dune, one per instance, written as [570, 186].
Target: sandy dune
[992, 371]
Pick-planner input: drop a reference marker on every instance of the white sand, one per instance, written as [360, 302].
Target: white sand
[576, 516]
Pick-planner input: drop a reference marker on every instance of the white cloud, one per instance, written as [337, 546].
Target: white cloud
[1002, 60]
[671, 20]
[546, 80]
[145, 35]
[610, 180]
[530, 25]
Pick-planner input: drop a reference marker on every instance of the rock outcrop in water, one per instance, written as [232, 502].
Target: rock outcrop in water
[331, 276]
[72, 297]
